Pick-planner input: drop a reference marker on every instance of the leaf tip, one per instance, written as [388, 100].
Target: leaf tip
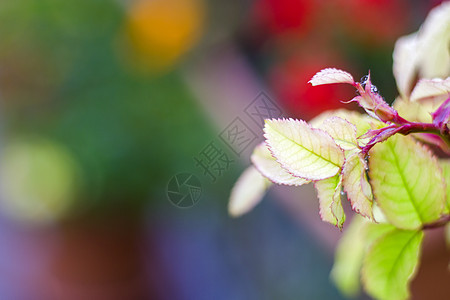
[248, 191]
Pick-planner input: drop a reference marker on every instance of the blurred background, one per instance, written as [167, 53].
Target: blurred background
[125, 123]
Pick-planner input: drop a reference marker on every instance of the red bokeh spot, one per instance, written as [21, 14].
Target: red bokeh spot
[281, 16]
[301, 100]
[375, 21]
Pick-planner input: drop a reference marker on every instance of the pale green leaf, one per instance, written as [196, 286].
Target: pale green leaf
[303, 151]
[331, 75]
[391, 263]
[445, 165]
[431, 89]
[373, 231]
[247, 192]
[407, 182]
[263, 160]
[330, 206]
[342, 131]
[434, 38]
[353, 245]
[348, 258]
[356, 185]
[404, 63]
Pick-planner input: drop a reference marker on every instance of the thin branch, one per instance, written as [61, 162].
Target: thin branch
[407, 128]
[438, 223]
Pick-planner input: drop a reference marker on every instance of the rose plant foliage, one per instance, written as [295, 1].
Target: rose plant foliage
[392, 164]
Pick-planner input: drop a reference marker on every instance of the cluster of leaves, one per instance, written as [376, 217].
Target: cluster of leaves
[390, 164]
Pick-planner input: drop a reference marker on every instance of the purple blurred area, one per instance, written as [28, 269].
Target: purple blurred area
[102, 103]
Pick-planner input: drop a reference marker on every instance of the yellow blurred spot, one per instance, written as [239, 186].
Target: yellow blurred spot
[38, 181]
[161, 31]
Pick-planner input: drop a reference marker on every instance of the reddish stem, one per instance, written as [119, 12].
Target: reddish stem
[413, 127]
[438, 223]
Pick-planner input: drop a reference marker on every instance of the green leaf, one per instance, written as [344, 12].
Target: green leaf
[356, 185]
[445, 165]
[407, 182]
[350, 252]
[247, 192]
[348, 258]
[342, 131]
[302, 150]
[391, 263]
[373, 231]
[330, 206]
[266, 164]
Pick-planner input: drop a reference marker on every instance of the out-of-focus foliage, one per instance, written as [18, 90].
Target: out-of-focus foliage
[64, 78]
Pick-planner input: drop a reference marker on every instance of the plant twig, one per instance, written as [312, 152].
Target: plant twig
[438, 223]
